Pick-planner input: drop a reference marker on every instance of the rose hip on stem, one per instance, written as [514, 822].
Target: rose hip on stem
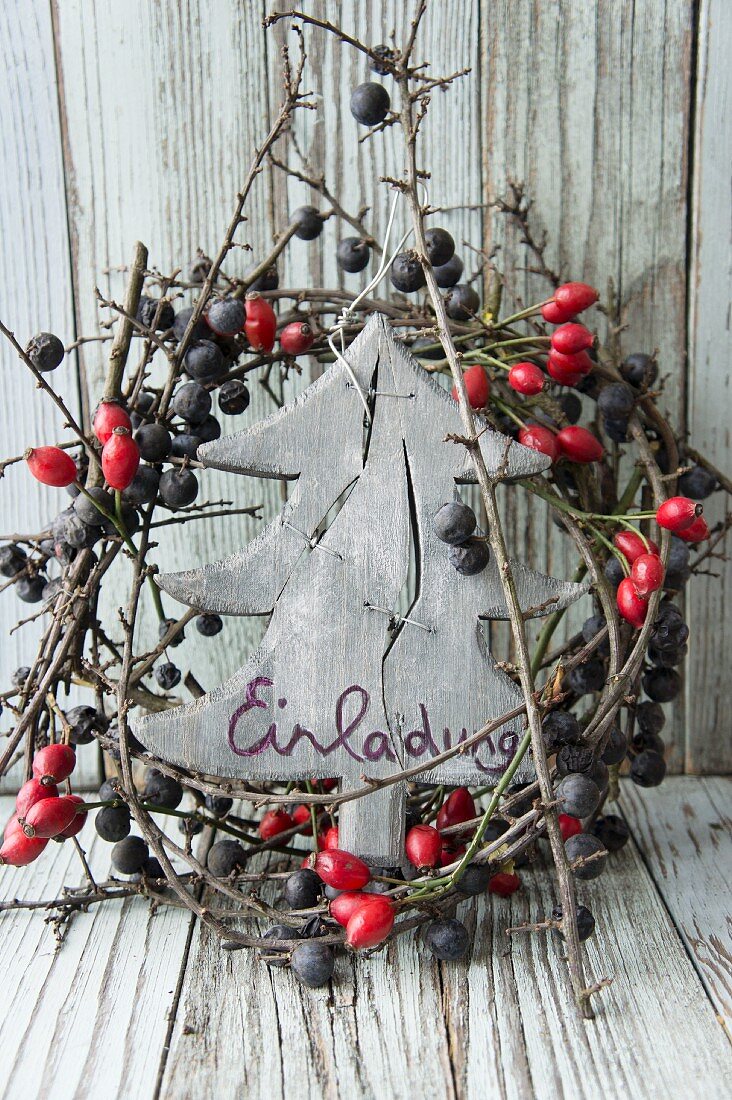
[555, 314]
[344, 905]
[459, 806]
[697, 532]
[423, 846]
[504, 884]
[579, 445]
[630, 605]
[647, 574]
[370, 922]
[526, 378]
[575, 297]
[260, 326]
[540, 439]
[78, 820]
[296, 338]
[341, 870]
[18, 850]
[632, 545]
[273, 823]
[31, 792]
[477, 387]
[571, 339]
[109, 415]
[577, 362]
[49, 817]
[678, 513]
[120, 458]
[54, 763]
[51, 466]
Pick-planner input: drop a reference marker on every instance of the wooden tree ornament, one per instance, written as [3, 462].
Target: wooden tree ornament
[342, 685]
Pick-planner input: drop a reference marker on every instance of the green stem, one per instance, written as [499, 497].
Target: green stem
[508, 411]
[442, 886]
[528, 312]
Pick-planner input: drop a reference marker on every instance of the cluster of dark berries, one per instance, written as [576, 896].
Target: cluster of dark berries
[455, 523]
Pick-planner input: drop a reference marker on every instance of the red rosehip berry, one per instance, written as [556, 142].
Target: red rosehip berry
[31, 792]
[54, 763]
[579, 445]
[561, 376]
[575, 297]
[341, 870]
[450, 854]
[632, 545]
[370, 923]
[328, 784]
[12, 825]
[260, 326]
[330, 838]
[678, 513]
[647, 574]
[630, 605]
[526, 378]
[423, 846]
[575, 363]
[459, 806]
[697, 532]
[504, 884]
[18, 850]
[569, 826]
[78, 820]
[273, 823]
[296, 338]
[554, 314]
[109, 415]
[343, 906]
[301, 816]
[51, 465]
[539, 439]
[49, 817]
[120, 458]
[570, 339]
[477, 385]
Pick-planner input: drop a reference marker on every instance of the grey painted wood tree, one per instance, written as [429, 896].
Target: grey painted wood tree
[341, 685]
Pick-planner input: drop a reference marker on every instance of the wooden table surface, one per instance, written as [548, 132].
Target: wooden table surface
[136, 1003]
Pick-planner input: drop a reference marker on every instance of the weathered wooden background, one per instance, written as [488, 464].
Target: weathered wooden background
[137, 120]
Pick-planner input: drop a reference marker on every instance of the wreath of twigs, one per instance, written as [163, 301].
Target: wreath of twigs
[77, 649]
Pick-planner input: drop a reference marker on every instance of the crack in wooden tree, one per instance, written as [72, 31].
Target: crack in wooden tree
[341, 685]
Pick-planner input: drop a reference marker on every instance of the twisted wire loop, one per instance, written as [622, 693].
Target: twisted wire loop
[348, 312]
[396, 619]
[313, 541]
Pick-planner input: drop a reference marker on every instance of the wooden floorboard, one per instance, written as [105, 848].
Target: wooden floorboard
[94, 1015]
[684, 831]
[91, 1017]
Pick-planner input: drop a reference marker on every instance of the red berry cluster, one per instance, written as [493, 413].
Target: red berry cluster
[684, 518]
[40, 811]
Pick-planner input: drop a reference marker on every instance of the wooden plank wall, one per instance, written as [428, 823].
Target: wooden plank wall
[137, 120]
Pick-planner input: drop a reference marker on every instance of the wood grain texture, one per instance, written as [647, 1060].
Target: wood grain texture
[587, 104]
[554, 1053]
[399, 1024]
[684, 833]
[35, 295]
[90, 1016]
[709, 602]
[364, 692]
[162, 119]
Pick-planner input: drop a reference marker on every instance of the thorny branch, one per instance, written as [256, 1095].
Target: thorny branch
[78, 647]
